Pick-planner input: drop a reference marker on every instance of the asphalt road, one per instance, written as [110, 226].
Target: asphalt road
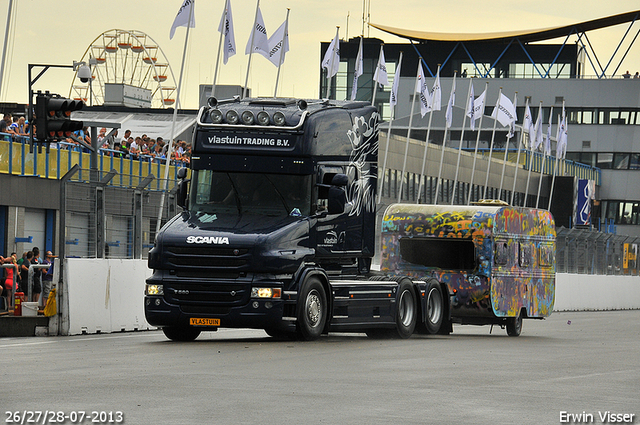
[577, 363]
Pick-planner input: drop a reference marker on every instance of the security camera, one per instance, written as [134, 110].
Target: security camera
[84, 73]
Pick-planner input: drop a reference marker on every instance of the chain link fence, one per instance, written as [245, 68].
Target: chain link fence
[103, 220]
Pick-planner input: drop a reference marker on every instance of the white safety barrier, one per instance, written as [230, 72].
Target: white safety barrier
[108, 295]
[581, 292]
[103, 296]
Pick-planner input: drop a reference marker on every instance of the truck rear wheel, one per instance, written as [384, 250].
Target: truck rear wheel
[434, 307]
[406, 309]
[312, 310]
[181, 333]
[514, 325]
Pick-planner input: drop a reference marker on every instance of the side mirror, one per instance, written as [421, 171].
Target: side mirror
[337, 195]
[183, 191]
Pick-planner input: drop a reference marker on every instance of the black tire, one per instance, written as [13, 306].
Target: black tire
[434, 305]
[514, 325]
[312, 310]
[406, 309]
[181, 333]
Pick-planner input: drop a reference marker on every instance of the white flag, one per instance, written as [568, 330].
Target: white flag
[436, 93]
[547, 142]
[358, 71]
[393, 98]
[258, 38]
[226, 27]
[451, 103]
[561, 148]
[504, 112]
[381, 71]
[512, 124]
[421, 88]
[469, 112]
[527, 123]
[331, 60]
[276, 42]
[182, 18]
[477, 108]
[536, 140]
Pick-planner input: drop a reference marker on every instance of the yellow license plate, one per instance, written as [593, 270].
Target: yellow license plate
[195, 321]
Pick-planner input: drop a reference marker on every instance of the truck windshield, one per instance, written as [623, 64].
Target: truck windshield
[250, 193]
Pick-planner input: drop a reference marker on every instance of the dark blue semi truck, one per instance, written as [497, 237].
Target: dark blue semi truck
[278, 229]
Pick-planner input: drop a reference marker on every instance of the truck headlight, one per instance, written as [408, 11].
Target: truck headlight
[153, 289]
[266, 292]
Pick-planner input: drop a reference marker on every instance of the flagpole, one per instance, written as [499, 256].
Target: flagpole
[246, 80]
[475, 151]
[375, 73]
[173, 124]
[215, 73]
[406, 150]
[495, 122]
[444, 139]
[386, 149]
[506, 147]
[464, 123]
[532, 157]
[544, 163]
[284, 37]
[426, 144]
[329, 76]
[555, 168]
[515, 174]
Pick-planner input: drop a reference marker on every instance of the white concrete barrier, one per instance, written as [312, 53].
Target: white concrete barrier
[577, 292]
[104, 296]
[108, 295]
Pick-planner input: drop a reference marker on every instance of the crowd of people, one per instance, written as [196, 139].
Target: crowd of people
[18, 272]
[139, 147]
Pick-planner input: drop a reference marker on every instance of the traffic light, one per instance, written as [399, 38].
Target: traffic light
[53, 117]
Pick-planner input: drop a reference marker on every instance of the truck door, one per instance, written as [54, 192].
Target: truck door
[337, 234]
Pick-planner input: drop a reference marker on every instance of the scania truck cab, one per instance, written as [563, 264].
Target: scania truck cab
[278, 226]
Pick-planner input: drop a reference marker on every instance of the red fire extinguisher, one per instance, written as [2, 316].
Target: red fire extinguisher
[17, 309]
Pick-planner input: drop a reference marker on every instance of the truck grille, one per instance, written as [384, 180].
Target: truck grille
[209, 258]
[207, 293]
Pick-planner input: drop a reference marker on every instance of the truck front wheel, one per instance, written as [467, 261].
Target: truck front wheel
[514, 325]
[312, 310]
[181, 333]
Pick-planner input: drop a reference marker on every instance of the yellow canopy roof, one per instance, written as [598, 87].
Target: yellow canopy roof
[524, 35]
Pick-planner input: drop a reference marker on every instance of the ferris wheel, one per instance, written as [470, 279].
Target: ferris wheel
[130, 58]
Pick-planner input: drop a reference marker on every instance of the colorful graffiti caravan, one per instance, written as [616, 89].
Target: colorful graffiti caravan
[497, 262]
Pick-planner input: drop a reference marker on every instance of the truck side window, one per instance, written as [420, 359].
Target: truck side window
[525, 249]
[546, 255]
[502, 253]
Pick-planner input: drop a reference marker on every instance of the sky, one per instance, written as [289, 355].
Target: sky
[59, 32]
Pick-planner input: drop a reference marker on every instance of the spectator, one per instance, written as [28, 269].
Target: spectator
[626, 75]
[24, 274]
[4, 127]
[636, 75]
[37, 276]
[47, 278]
[10, 273]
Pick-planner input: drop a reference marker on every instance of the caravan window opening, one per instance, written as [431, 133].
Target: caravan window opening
[442, 253]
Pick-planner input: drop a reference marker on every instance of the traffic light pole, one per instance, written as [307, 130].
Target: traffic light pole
[32, 81]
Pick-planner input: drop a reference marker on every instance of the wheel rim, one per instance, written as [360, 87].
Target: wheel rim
[406, 309]
[434, 306]
[313, 308]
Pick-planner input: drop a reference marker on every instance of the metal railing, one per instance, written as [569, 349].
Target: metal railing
[587, 251]
[16, 158]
